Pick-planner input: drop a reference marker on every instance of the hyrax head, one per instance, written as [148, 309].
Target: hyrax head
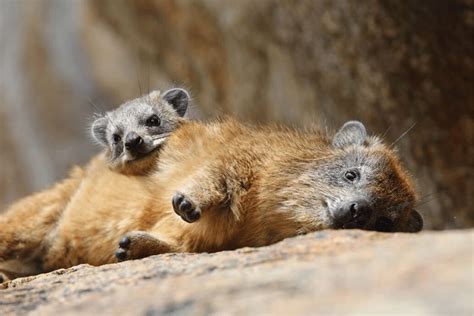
[139, 127]
[357, 183]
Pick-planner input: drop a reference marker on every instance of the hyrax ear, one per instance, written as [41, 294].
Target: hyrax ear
[99, 130]
[178, 98]
[351, 133]
[414, 223]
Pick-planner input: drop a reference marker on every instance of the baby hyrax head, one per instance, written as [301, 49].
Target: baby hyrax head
[358, 183]
[139, 127]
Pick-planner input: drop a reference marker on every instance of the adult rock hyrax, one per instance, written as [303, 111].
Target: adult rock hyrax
[216, 186]
[256, 186]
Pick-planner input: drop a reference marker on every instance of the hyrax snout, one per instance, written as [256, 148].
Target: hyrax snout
[354, 214]
[135, 144]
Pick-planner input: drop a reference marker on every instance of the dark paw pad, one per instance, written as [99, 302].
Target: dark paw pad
[125, 242]
[122, 252]
[184, 207]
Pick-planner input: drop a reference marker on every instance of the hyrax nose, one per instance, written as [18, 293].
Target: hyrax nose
[353, 214]
[133, 141]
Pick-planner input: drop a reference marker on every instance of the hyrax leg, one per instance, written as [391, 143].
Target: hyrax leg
[26, 223]
[140, 244]
[13, 269]
[210, 190]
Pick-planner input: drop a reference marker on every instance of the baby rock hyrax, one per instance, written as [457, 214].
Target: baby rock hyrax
[133, 133]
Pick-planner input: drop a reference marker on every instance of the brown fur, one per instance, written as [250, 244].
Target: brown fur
[254, 186]
[27, 223]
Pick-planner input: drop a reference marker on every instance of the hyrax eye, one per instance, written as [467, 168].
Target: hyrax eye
[153, 120]
[116, 138]
[351, 175]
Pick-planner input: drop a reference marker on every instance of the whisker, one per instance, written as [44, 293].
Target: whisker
[101, 111]
[428, 195]
[425, 202]
[137, 73]
[138, 81]
[386, 131]
[148, 78]
[401, 136]
[97, 108]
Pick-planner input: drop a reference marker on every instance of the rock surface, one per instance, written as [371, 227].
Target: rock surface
[323, 272]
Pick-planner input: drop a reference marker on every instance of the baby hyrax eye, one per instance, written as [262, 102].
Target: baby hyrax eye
[351, 175]
[153, 120]
[116, 138]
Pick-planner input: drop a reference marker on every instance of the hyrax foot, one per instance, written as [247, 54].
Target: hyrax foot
[185, 207]
[139, 244]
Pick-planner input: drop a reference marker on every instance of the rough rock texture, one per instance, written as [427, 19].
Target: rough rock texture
[389, 63]
[324, 272]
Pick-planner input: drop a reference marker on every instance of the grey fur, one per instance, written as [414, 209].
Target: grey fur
[132, 116]
[324, 189]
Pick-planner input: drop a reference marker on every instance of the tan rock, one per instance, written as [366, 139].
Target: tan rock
[336, 272]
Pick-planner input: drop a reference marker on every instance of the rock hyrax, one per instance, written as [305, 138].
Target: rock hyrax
[137, 129]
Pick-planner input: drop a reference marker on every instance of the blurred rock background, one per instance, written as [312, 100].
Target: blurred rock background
[388, 63]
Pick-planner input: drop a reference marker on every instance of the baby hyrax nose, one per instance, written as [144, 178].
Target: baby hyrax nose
[354, 214]
[133, 141]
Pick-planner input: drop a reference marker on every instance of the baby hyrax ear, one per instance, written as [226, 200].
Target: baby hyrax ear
[178, 99]
[351, 133]
[414, 223]
[99, 130]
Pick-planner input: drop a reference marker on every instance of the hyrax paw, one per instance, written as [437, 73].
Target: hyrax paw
[122, 252]
[139, 244]
[185, 207]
